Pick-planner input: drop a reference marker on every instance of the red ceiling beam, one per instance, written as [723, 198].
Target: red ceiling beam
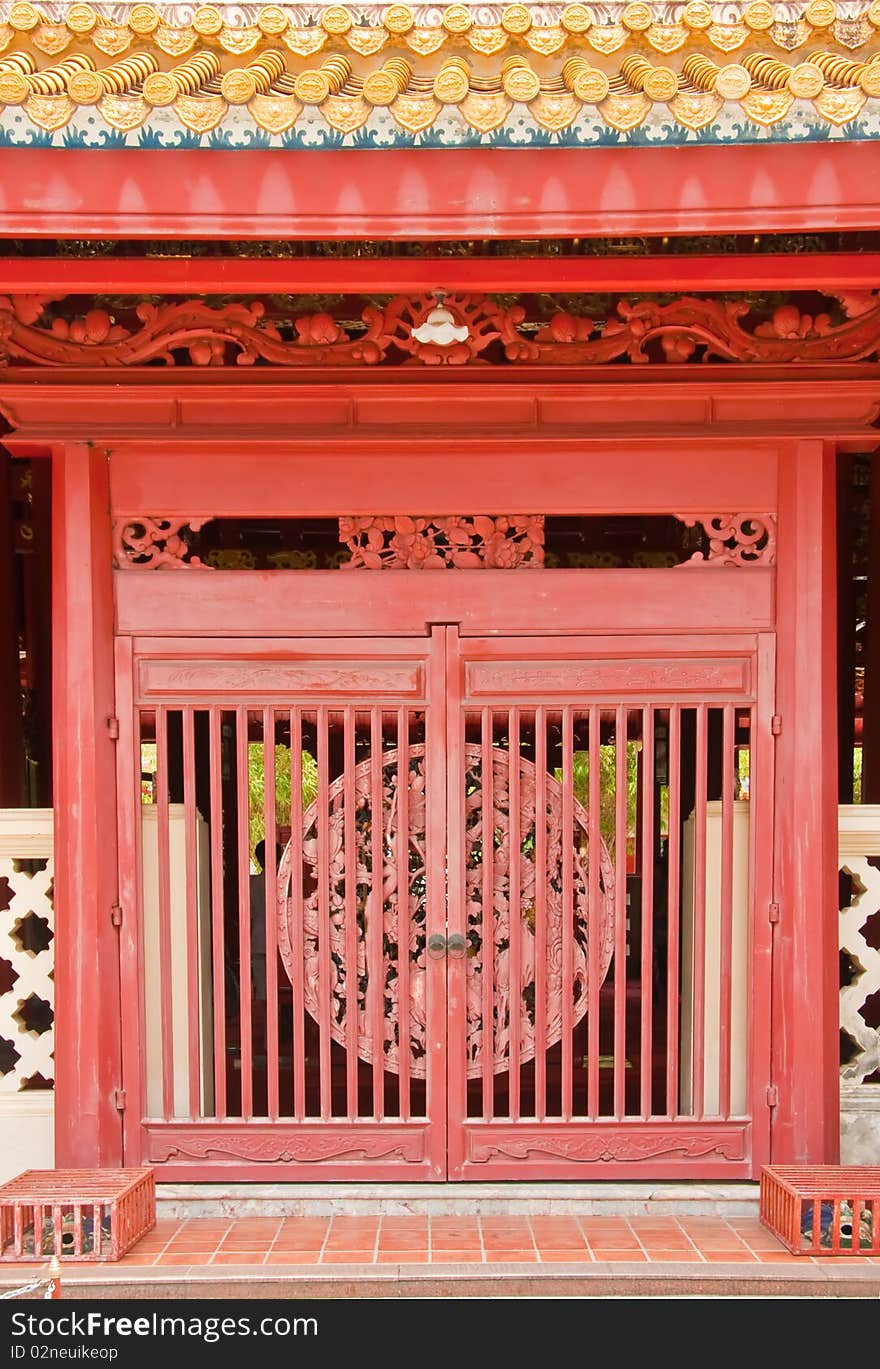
[389, 275]
[422, 193]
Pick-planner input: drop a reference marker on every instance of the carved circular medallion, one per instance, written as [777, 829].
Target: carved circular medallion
[160, 89]
[81, 18]
[869, 80]
[637, 17]
[23, 17]
[85, 87]
[516, 19]
[576, 19]
[207, 21]
[325, 933]
[457, 19]
[312, 87]
[398, 19]
[733, 82]
[143, 19]
[452, 82]
[381, 87]
[806, 81]
[661, 84]
[238, 86]
[759, 15]
[272, 21]
[697, 14]
[874, 13]
[590, 85]
[521, 84]
[821, 13]
[336, 20]
[14, 88]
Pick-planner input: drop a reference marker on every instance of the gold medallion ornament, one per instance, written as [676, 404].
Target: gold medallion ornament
[588, 83]
[81, 18]
[516, 19]
[240, 85]
[14, 88]
[272, 21]
[336, 20]
[874, 13]
[143, 20]
[457, 19]
[382, 87]
[759, 16]
[23, 17]
[697, 15]
[637, 18]
[733, 82]
[821, 13]
[398, 19]
[576, 19]
[313, 87]
[518, 80]
[160, 89]
[207, 21]
[85, 87]
[658, 83]
[806, 81]
[452, 82]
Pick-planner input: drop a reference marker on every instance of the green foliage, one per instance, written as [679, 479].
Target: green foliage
[608, 788]
[257, 789]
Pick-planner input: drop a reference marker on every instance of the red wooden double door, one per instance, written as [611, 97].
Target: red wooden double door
[446, 906]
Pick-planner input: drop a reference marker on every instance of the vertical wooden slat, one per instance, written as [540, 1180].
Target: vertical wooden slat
[375, 918]
[620, 908]
[194, 1054]
[567, 855]
[647, 963]
[540, 913]
[488, 912]
[699, 979]
[97, 1229]
[270, 904]
[218, 946]
[164, 874]
[244, 913]
[403, 912]
[515, 914]
[351, 928]
[673, 914]
[77, 1230]
[726, 938]
[323, 820]
[296, 899]
[593, 899]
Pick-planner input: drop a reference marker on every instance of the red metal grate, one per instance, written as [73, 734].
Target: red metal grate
[823, 1209]
[76, 1214]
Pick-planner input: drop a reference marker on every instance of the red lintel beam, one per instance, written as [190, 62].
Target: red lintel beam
[311, 275]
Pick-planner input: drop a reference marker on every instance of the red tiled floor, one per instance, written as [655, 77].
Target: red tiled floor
[468, 1239]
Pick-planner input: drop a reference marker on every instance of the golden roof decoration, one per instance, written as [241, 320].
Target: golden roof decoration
[339, 68]
[486, 30]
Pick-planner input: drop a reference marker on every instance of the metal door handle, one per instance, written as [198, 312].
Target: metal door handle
[436, 945]
[456, 946]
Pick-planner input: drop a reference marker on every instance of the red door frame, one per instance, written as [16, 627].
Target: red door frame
[774, 419]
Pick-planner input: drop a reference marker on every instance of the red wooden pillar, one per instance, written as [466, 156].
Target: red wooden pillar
[88, 1128]
[11, 743]
[805, 1124]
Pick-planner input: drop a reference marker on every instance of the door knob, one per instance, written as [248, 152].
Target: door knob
[456, 946]
[436, 945]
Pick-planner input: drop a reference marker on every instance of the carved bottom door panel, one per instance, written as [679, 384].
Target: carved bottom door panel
[608, 978]
[283, 854]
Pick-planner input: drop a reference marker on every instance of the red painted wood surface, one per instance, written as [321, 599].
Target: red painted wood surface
[429, 194]
[215, 275]
[87, 1050]
[805, 1006]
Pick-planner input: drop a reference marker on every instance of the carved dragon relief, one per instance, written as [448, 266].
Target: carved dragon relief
[35, 332]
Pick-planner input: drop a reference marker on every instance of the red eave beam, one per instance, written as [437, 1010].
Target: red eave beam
[390, 275]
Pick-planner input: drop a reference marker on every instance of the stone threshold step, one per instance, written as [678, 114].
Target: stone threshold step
[347, 1282]
[465, 1199]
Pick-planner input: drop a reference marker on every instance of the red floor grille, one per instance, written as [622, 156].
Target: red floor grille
[76, 1214]
[823, 1209]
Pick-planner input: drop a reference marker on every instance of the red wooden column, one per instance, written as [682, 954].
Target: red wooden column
[88, 1128]
[805, 1124]
[11, 744]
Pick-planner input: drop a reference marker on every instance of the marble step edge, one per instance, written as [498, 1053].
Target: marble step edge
[340, 1199]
